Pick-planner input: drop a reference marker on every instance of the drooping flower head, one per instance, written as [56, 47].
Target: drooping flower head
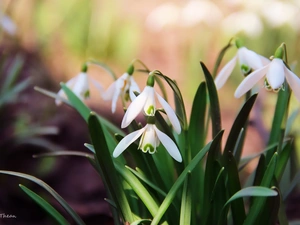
[146, 101]
[78, 84]
[248, 61]
[275, 74]
[151, 137]
[124, 86]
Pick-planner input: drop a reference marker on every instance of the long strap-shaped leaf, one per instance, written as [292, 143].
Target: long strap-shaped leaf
[63, 203]
[237, 126]
[45, 205]
[108, 170]
[172, 193]
[214, 101]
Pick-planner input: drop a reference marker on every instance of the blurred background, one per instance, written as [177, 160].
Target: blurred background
[47, 42]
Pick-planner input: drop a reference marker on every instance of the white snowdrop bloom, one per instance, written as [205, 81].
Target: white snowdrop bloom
[248, 60]
[275, 74]
[79, 85]
[7, 24]
[150, 140]
[146, 101]
[122, 86]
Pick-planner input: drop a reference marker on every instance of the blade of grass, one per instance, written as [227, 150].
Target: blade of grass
[63, 203]
[186, 202]
[107, 167]
[259, 203]
[172, 193]
[214, 101]
[45, 205]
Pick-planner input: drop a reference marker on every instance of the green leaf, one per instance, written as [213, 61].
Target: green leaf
[107, 168]
[233, 186]
[186, 202]
[142, 177]
[64, 153]
[12, 94]
[12, 74]
[178, 96]
[283, 158]
[196, 132]
[172, 193]
[258, 205]
[279, 119]
[45, 205]
[138, 188]
[140, 221]
[220, 57]
[251, 192]
[85, 111]
[238, 124]
[81, 108]
[270, 211]
[214, 101]
[246, 192]
[63, 203]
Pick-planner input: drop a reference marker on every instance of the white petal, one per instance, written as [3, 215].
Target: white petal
[108, 94]
[82, 85]
[97, 85]
[115, 97]
[127, 140]
[293, 81]
[275, 75]
[225, 72]
[61, 92]
[265, 61]
[133, 87]
[149, 137]
[135, 108]
[250, 81]
[170, 113]
[150, 104]
[169, 145]
[249, 58]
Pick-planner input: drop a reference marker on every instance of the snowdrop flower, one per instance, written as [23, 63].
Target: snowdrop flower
[150, 140]
[79, 85]
[275, 74]
[147, 101]
[7, 24]
[248, 61]
[121, 87]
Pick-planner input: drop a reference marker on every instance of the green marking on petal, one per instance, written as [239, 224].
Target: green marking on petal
[150, 110]
[86, 94]
[245, 69]
[148, 148]
[269, 88]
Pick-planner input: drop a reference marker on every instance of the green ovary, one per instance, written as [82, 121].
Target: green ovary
[87, 94]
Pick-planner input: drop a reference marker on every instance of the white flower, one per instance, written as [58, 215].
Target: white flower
[120, 87]
[248, 60]
[79, 85]
[275, 72]
[151, 138]
[146, 101]
[7, 24]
